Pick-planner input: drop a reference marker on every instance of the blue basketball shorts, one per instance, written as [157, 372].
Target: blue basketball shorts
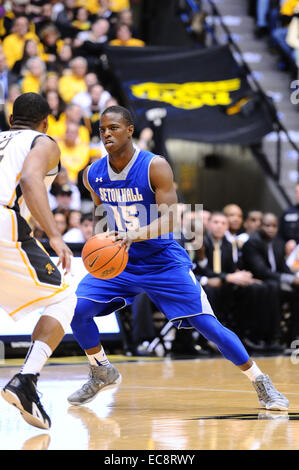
[173, 289]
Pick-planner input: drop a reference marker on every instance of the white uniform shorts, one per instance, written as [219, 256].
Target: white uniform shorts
[29, 279]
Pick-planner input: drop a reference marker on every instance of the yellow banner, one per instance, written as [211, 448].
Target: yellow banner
[190, 95]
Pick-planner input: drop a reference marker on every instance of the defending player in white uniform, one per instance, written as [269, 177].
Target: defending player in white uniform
[29, 161]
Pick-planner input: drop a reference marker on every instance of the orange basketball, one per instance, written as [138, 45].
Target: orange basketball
[104, 258]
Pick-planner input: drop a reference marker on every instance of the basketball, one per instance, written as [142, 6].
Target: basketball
[103, 258]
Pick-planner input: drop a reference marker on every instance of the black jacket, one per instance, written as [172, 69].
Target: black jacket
[227, 263]
[255, 257]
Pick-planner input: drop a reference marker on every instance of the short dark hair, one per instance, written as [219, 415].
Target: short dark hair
[124, 112]
[30, 109]
[87, 216]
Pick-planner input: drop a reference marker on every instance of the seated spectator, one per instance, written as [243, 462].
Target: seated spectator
[264, 255]
[30, 50]
[74, 218]
[124, 37]
[90, 43]
[61, 221]
[44, 18]
[63, 59]
[35, 75]
[74, 81]
[242, 300]
[98, 34]
[51, 82]
[234, 215]
[74, 153]
[85, 100]
[57, 107]
[72, 114]
[50, 39]
[126, 17]
[65, 17]
[61, 184]
[105, 11]
[64, 200]
[81, 21]
[279, 34]
[13, 44]
[251, 224]
[82, 233]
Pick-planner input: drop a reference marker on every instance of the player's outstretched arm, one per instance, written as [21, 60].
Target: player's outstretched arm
[43, 157]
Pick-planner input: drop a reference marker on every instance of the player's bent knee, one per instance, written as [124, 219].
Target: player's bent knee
[63, 311]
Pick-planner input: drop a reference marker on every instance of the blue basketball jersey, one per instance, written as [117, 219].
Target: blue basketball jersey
[129, 202]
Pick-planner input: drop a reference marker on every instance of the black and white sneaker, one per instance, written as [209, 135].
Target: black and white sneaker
[21, 392]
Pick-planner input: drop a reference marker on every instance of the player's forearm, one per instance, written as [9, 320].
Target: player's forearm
[36, 198]
[160, 226]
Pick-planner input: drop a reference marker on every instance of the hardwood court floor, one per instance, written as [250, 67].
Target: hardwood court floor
[160, 405]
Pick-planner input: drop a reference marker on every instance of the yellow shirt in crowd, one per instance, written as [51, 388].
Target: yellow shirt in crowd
[13, 47]
[31, 84]
[133, 42]
[118, 5]
[74, 159]
[69, 86]
[91, 5]
[287, 7]
[57, 128]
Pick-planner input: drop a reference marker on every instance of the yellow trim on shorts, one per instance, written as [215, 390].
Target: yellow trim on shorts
[14, 193]
[37, 300]
[13, 224]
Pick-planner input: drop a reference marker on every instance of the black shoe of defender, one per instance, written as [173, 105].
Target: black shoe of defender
[21, 392]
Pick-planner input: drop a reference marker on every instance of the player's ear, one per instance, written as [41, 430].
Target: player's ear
[130, 130]
[10, 119]
[45, 125]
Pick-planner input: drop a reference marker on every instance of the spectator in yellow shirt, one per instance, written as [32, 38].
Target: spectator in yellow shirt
[73, 113]
[57, 106]
[74, 81]
[13, 44]
[287, 8]
[124, 37]
[35, 75]
[74, 154]
[118, 5]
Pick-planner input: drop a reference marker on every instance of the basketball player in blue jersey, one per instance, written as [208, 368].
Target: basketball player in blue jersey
[129, 183]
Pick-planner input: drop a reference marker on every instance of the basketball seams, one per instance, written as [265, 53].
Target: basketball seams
[115, 254]
[107, 270]
[119, 270]
[97, 249]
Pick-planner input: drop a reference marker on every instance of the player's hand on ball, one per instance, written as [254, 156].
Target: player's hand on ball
[124, 238]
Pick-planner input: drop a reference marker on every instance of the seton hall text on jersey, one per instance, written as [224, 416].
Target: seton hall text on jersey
[120, 195]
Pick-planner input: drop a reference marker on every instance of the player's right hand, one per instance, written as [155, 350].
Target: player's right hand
[63, 252]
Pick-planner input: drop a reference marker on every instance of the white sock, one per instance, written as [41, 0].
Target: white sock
[253, 372]
[37, 356]
[98, 359]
